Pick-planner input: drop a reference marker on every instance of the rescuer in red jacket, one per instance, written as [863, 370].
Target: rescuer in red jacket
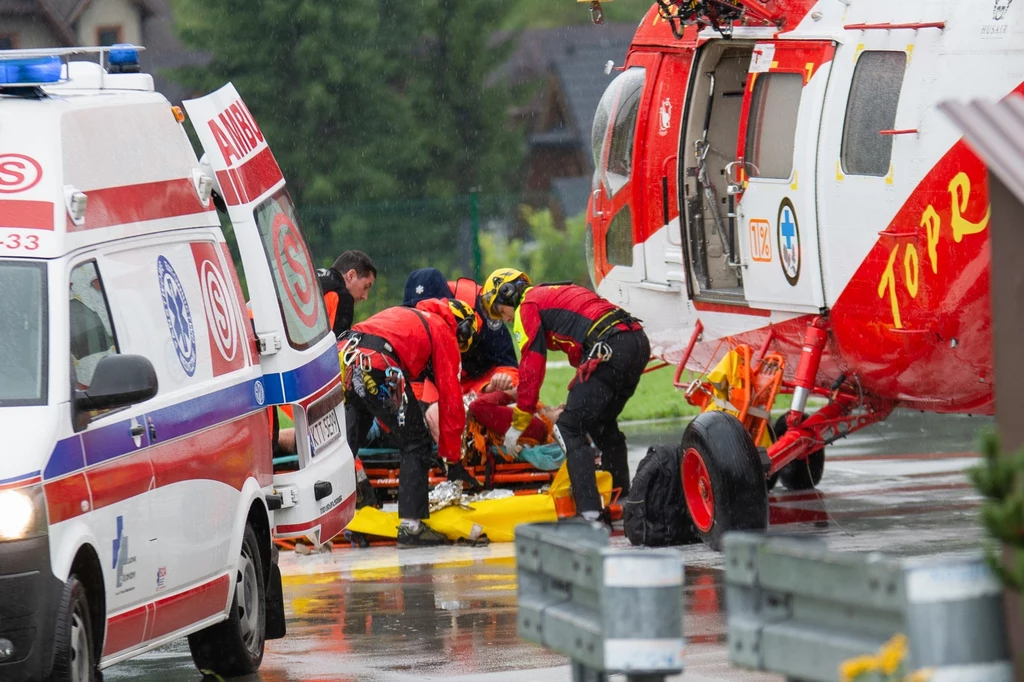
[609, 349]
[381, 355]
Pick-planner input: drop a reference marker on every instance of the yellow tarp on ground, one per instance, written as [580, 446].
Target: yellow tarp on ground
[496, 519]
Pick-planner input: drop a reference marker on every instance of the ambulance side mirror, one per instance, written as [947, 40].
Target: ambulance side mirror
[119, 381]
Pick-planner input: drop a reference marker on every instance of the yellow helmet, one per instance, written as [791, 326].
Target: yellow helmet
[505, 286]
[467, 323]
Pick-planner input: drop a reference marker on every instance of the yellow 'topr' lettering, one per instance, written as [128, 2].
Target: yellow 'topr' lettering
[888, 281]
[911, 270]
[960, 196]
[931, 222]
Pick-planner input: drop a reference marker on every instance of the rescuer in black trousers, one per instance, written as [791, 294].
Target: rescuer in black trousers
[593, 407]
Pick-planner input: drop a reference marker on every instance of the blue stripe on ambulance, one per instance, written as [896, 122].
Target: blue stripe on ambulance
[191, 416]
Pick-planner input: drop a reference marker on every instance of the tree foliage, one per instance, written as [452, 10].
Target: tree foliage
[364, 100]
[554, 255]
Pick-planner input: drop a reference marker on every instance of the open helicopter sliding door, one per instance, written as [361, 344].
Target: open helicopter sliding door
[298, 352]
[777, 148]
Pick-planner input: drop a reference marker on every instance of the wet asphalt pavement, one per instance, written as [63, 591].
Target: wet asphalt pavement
[381, 615]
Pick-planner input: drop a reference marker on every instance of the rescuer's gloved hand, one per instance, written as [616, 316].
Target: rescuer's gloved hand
[457, 472]
[512, 438]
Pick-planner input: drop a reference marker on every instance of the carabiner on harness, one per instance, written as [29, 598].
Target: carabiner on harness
[349, 350]
[396, 384]
[600, 351]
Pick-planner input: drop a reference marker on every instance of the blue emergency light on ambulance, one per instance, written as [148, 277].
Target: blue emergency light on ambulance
[123, 58]
[123, 55]
[30, 70]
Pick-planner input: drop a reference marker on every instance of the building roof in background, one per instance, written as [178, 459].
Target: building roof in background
[572, 60]
[996, 132]
[582, 80]
[51, 16]
[537, 48]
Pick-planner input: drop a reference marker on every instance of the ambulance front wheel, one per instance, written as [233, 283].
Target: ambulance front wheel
[235, 646]
[723, 480]
[74, 653]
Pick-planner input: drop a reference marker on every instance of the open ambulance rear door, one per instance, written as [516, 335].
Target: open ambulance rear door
[298, 352]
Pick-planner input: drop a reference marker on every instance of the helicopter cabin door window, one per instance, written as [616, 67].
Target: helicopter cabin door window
[771, 130]
[772, 182]
[870, 109]
[617, 123]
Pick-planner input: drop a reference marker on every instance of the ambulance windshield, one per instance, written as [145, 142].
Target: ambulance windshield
[23, 346]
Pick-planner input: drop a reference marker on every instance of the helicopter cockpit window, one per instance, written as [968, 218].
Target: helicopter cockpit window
[874, 96]
[771, 127]
[619, 239]
[623, 98]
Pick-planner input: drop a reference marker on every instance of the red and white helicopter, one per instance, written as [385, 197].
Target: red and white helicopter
[774, 178]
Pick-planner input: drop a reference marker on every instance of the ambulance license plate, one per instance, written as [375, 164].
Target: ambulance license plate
[324, 431]
[324, 427]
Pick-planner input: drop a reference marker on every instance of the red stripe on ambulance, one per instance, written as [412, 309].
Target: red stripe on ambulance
[120, 479]
[22, 483]
[231, 455]
[66, 497]
[27, 215]
[259, 174]
[254, 177]
[252, 169]
[109, 206]
[127, 630]
[164, 616]
[331, 523]
[226, 453]
[227, 188]
[181, 610]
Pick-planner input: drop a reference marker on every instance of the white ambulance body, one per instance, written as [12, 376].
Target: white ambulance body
[138, 496]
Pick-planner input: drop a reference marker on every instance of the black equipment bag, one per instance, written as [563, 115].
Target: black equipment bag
[655, 514]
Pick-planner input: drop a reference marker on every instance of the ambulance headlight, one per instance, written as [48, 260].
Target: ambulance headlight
[22, 513]
[30, 70]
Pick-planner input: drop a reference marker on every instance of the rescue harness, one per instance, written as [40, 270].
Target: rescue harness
[595, 345]
[357, 354]
[360, 347]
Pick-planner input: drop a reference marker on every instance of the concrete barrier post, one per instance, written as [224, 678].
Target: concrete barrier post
[955, 622]
[798, 609]
[610, 611]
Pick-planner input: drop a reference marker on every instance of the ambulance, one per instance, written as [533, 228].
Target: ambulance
[138, 492]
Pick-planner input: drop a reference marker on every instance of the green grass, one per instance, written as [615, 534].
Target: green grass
[655, 397]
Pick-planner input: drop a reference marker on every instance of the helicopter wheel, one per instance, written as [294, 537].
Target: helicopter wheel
[800, 474]
[723, 480]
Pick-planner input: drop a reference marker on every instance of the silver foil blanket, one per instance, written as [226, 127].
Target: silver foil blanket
[449, 494]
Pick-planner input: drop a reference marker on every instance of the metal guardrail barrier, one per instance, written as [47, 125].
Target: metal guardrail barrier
[797, 609]
[609, 610]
